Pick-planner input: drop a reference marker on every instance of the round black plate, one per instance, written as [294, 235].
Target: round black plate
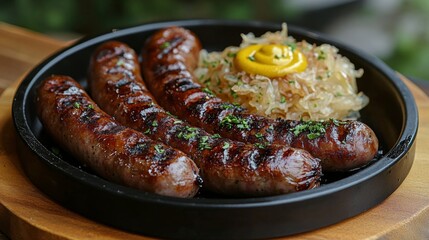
[392, 114]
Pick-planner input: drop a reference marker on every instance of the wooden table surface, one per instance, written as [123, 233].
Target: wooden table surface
[404, 215]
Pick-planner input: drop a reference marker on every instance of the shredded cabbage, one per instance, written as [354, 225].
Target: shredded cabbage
[326, 89]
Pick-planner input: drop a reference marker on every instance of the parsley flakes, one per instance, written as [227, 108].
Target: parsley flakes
[155, 123]
[216, 135]
[230, 120]
[165, 45]
[338, 122]
[226, 106]
[314, 129]
[76, 105]
[321, 55]
[159, 149]
[260, 145]
[187, 133]
[204, 143]
[208, 91]
[259, 136]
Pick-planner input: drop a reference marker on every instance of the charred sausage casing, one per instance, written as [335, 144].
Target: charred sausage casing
[117, 153]
[168, 60]
[226, 166]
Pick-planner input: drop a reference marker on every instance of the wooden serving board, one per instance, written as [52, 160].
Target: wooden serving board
[26, 213]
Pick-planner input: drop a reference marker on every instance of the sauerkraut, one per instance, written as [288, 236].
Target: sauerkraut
[325, 89]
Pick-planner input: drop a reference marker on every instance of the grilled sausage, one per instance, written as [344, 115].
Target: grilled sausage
[170, 56]
[227, 167]
[113, 151]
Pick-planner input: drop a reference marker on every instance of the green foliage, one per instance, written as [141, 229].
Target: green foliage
[411, 53]
[94, 16]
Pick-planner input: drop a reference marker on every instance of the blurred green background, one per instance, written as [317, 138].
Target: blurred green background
[396, 31]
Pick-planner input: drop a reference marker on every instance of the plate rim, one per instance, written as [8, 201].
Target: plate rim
[388, 160]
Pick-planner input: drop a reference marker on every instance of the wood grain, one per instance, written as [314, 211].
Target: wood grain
[26, 213]
[20, 50]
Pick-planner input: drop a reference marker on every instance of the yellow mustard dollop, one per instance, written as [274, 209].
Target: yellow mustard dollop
[270, 60]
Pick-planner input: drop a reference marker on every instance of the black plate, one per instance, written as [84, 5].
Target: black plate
[392, 114]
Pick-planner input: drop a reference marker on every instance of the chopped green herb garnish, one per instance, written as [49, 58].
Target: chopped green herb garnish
[299, 129]
[321, 55]
[177, 121]
[234, 94]
[283, 99]
[147, 131]
[230, 120]
[231, 55]
[312, 136]
[314, 129]
[76, 105]
[292, 45]
[120, 62]
[214, 64]
[216, 135]
[155, 123]
[338, 122]
[259, 135]
[204, 143]
[159, 148]
[226, 145]
[260, 145]
[251, 58]
[90, 106]
[227, 106]
[187, 133]
[165, 45]
[291, 82]
[208, 91]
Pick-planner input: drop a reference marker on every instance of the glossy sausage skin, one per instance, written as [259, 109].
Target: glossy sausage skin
[227, 167]
[170, 56]
[117, 153]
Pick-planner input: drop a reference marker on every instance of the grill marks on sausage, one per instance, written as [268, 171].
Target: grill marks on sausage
[341, 147]
[169, 47]
[113, 151]
[181, 85]
[78, 105]
[219, 159]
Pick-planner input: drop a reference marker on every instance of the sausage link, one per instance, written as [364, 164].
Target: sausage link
[170, 56]
[117, 153]
[226, 166]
